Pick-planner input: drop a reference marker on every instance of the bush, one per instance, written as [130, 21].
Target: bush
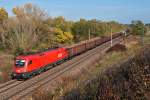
[128, 81]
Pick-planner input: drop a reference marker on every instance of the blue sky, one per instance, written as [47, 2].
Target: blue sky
[120, 10]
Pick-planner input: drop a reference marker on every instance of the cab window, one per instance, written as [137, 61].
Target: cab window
[20, 63]
[30, 62]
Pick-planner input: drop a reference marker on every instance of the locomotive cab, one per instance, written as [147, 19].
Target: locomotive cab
[19, 69]
[20, 65]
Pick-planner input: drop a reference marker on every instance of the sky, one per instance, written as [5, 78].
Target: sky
[123, 11]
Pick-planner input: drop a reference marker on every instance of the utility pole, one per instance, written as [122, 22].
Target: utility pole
[111, 36]
[89, 34]
[142, 36]
[124, 37]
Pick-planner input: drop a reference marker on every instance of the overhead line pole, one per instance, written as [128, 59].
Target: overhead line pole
[111, 36]
[89, 34]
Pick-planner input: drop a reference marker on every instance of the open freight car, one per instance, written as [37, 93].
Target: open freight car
[89, 44]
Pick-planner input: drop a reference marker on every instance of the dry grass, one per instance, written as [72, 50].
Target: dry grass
[6, 63]
[129, 81]
[147, 39]
[41, 95]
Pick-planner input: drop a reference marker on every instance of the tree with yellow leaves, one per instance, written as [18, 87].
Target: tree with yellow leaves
[63, 37]
[3, 14]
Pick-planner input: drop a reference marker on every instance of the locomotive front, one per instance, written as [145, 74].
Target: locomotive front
[20, 68]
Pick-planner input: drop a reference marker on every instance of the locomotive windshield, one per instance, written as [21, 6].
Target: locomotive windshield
[20, 63]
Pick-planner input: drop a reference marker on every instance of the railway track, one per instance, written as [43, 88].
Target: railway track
[19, 89]
[7, 83]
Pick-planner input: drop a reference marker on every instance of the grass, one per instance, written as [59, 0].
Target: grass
[127, 81]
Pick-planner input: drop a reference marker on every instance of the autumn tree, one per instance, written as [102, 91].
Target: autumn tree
[61, 23]
[32, 28]
[62, 37]
[29, 29]
[3, 14]
[82, 28]
[3, 21]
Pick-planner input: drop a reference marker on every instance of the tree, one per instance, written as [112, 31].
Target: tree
[82, 28]
[35, 15]
[3, 14]
[29, 11]
[20, 35]
[29, 29]
[61, 23]
[95, 27]
[138, 27]
[62, 37]
[3, 21]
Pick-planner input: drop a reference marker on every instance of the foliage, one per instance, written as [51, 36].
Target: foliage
[128, 81]
[32, 29]
[3, 20]
[3, 14]
[21, 35]
[61, 23]
[29, 11]
[63, 37]
[25, 31]
[81, 29]
[138, 28]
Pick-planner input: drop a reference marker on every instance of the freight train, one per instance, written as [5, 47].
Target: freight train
[26, 66]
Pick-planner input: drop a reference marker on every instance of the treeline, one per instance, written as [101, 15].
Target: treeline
[31, 28]
[137, 27]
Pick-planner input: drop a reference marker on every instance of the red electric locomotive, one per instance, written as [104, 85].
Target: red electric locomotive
[28, 65]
